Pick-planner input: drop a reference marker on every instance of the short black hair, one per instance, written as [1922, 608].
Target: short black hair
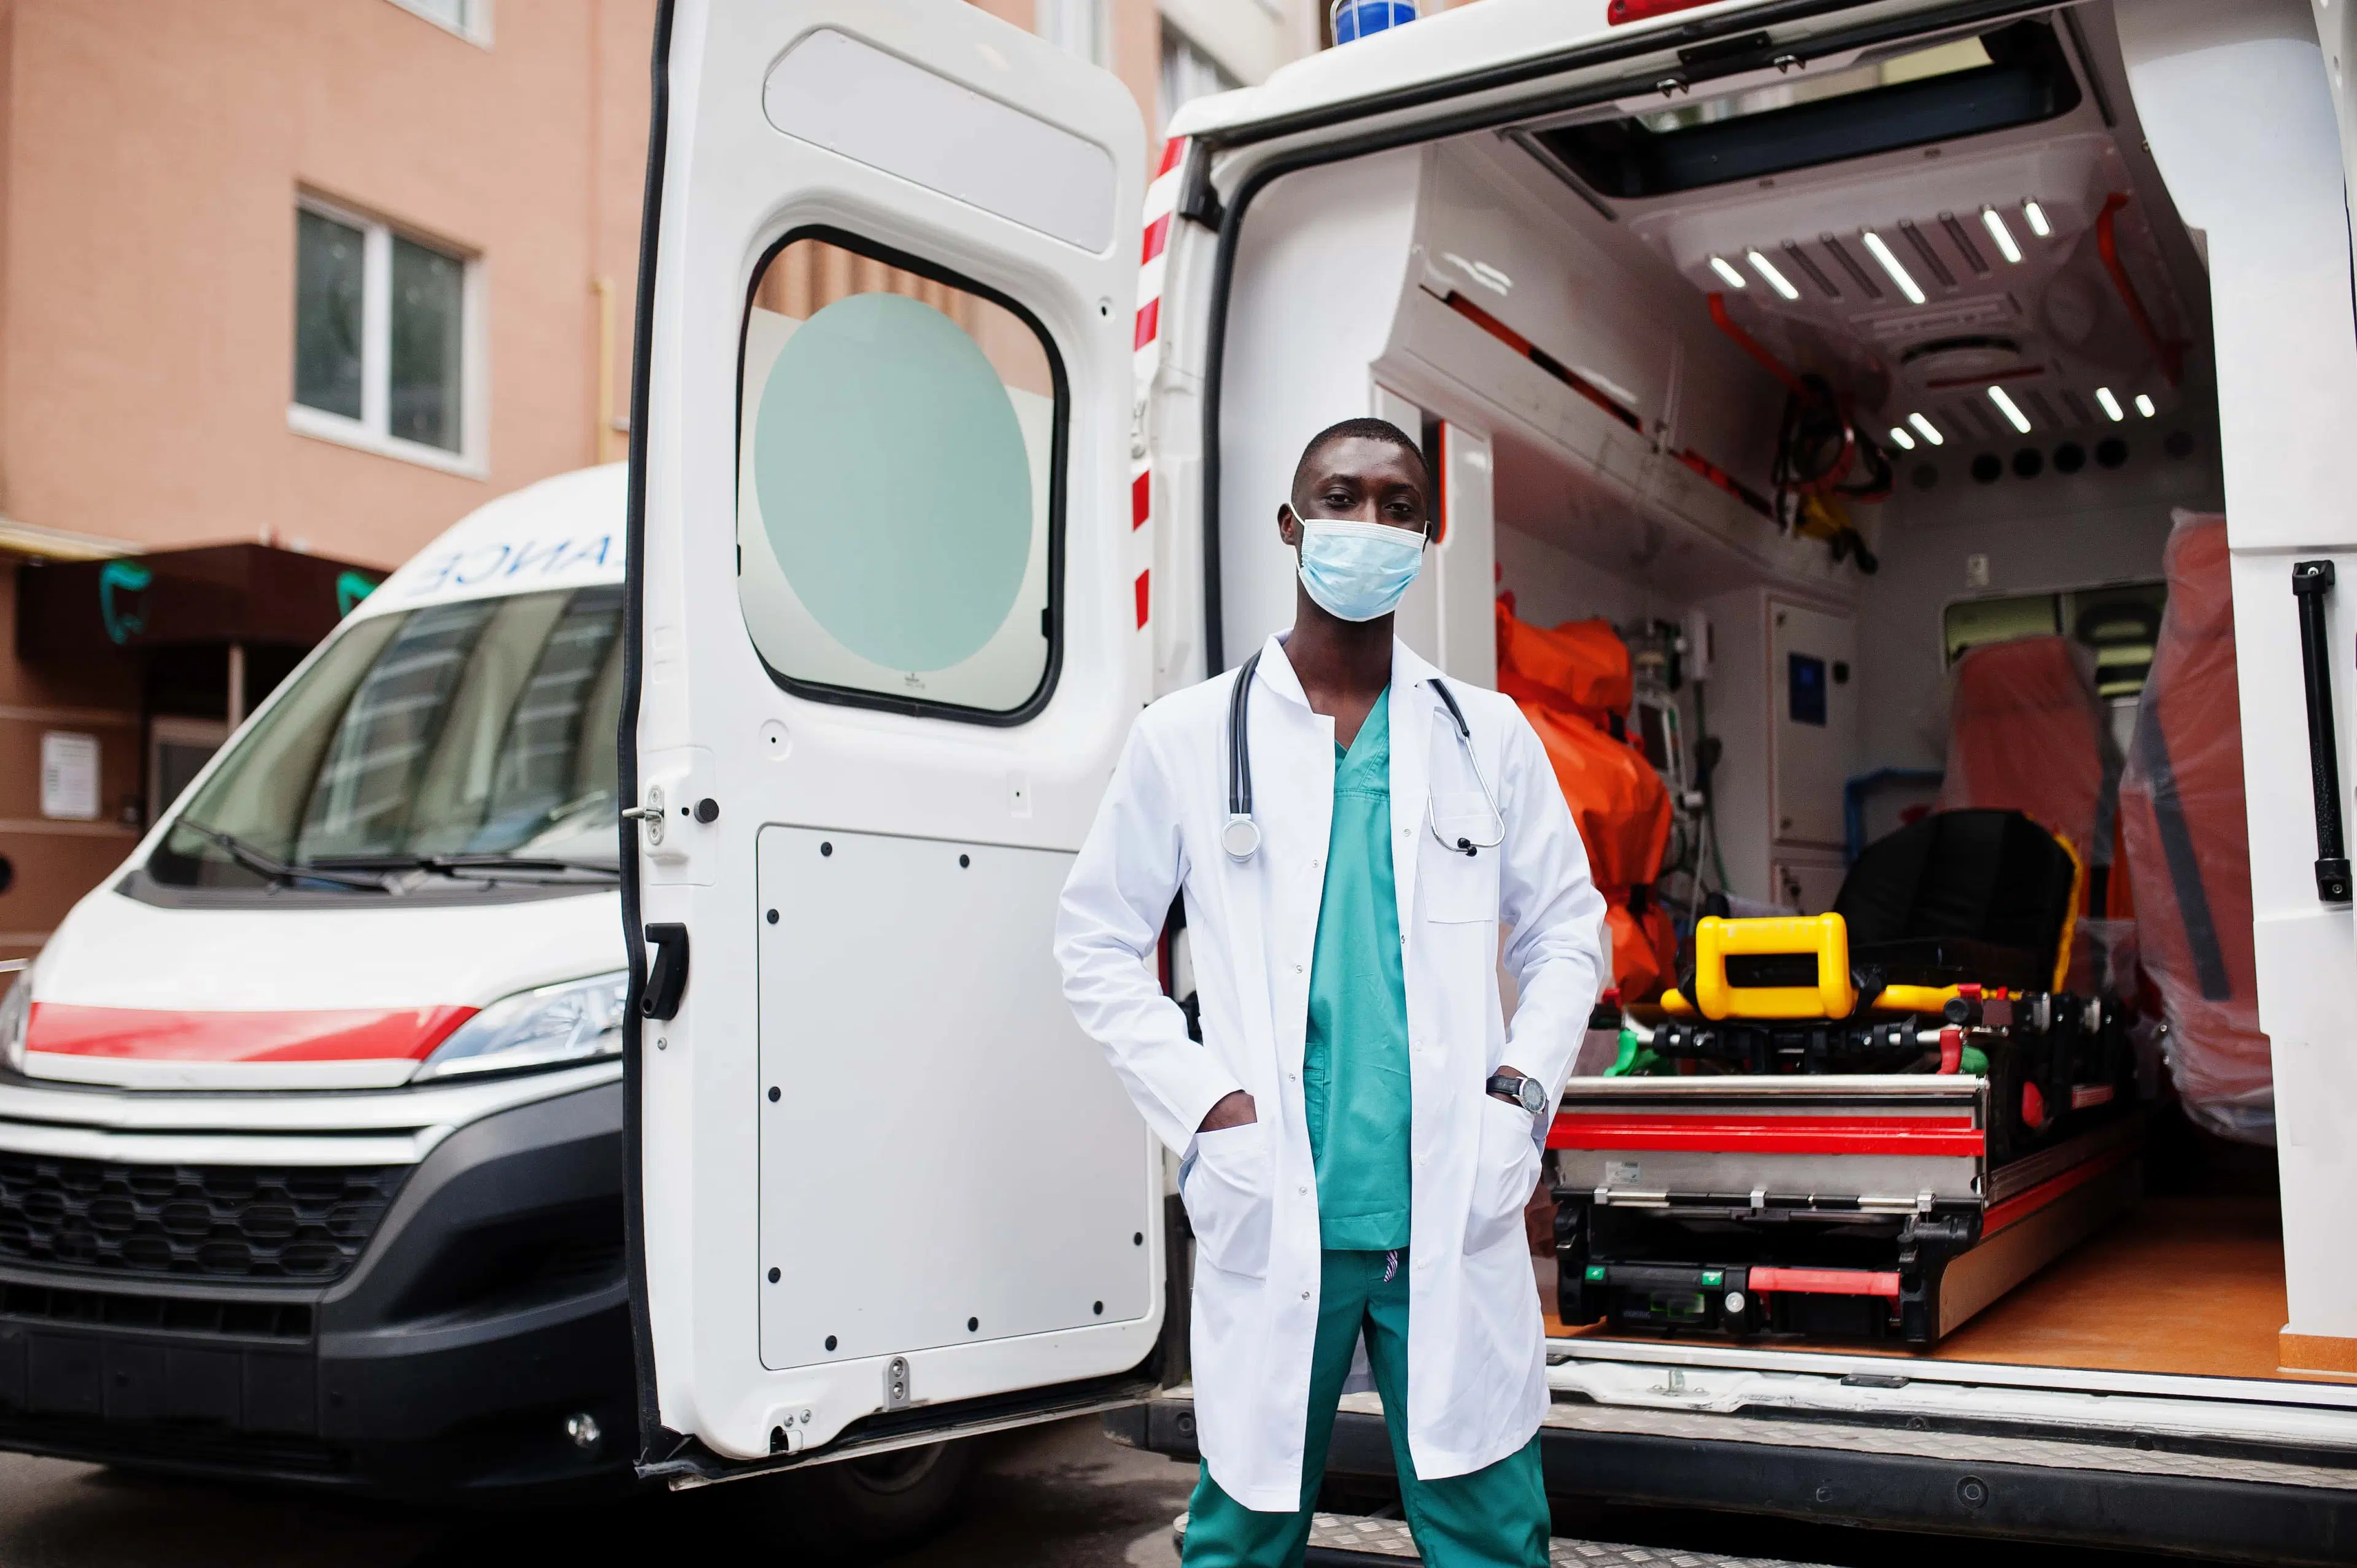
[1367, 429]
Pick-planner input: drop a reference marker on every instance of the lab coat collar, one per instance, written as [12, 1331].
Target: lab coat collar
[1410, 671]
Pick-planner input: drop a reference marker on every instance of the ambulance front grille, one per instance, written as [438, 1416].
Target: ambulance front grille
[306, 1223]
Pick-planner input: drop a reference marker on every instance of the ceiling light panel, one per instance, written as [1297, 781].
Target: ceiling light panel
[2144, 405]
[1929, 431]
[1994, 223]
[1725, 269]
[2035, 216]
[1899, 274]
[2011, 410]
[2111, 405]
[1901, 439]
[1776, 280]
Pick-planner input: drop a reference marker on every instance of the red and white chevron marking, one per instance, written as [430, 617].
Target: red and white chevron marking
[1161, 211]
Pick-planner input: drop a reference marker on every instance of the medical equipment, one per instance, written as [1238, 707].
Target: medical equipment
[1870, 1122]
[1240, 835]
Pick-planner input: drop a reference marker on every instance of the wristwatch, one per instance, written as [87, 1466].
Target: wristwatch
[1527, 1092]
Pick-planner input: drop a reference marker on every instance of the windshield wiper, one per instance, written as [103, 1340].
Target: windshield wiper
[274, 870]
[487, 867]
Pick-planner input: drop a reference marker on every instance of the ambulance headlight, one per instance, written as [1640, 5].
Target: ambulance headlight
[16, 1016]
[554, 1025]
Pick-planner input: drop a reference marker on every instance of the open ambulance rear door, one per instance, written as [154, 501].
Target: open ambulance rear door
[889, 636]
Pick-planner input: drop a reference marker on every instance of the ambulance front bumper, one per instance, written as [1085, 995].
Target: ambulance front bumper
[401, 1292]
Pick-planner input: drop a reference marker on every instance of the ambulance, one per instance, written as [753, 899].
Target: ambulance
[1813, 344]
[1821, 348]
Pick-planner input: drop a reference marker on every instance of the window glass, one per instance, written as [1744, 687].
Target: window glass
[483, 729]
[426, 292]
[330, 265]
[1187, 73]
[894, 483]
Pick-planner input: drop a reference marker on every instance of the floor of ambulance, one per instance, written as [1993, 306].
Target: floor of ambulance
[2191, 1286]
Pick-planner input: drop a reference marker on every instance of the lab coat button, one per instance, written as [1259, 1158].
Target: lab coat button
[1305, 1296]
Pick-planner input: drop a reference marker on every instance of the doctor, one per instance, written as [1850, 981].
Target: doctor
[1358, 1129]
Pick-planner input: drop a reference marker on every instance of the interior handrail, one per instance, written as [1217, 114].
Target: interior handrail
[2169, 356]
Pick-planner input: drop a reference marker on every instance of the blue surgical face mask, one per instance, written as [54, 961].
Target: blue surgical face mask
[1357, 571]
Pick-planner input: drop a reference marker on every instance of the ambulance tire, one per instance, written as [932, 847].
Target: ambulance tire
[853, 1510]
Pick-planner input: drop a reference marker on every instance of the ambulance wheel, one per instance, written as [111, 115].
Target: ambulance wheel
[855, 1508]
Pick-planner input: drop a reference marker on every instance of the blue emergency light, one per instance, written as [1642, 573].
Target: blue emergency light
[1355, 19]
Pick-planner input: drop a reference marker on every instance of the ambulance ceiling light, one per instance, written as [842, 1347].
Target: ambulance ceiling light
[2001, 234]
[1725, 269]
[1891, 264]
[1767, 269]
[2144, 405]
[1929, 431]
[2037, 216]
[2111, 405]
[1901, 439]
[2007, 407]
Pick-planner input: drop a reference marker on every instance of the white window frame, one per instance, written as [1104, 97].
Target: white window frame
[476, 29]
[1083, 27]
[371, 431]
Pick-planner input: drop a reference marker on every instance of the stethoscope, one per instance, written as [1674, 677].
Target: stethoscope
[1240, 835]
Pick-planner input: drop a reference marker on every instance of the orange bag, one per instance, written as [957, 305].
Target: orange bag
[2181, 818]
[1570, 683]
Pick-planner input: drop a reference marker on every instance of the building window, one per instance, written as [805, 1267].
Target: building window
[383, 340]
[471, 19]
[1076, 27]
[1187, 72]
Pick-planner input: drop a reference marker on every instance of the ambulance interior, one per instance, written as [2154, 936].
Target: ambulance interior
[1802, 493]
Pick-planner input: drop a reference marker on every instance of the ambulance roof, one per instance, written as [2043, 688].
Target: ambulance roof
[563, 532]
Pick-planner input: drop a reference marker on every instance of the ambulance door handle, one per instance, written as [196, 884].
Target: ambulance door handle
[667, 979]
[2312, 583]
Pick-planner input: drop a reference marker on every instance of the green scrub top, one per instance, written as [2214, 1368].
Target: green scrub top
[1354, 1066]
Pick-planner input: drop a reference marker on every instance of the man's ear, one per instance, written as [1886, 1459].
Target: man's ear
[1289, 523]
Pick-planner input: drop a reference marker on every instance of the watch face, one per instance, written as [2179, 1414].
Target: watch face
[1534, 1095]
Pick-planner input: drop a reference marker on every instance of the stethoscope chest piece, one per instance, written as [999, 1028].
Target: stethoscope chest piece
[1240, 837]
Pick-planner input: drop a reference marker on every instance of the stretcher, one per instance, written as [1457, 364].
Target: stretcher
[1871, 1123]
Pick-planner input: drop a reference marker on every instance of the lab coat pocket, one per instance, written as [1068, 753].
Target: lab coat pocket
[1506, 1172]
[1460, 887]
[1229, 1191]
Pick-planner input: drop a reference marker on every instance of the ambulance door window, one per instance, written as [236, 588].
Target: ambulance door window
[897, 506]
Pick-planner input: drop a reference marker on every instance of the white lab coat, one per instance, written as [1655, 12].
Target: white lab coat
[1477, 1364]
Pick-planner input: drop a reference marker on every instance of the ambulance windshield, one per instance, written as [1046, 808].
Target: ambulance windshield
[460, 741]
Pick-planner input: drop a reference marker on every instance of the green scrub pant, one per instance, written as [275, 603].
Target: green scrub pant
[1494, 1518]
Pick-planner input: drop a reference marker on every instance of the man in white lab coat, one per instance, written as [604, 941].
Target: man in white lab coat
[1358, 1129]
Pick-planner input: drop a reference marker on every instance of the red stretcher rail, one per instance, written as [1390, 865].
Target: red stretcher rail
[1825, 1281]
[1769, 1135]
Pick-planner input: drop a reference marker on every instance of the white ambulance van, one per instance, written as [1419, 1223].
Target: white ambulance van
[311, 1156]
[944, 464]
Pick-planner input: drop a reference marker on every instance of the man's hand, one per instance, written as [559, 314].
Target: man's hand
[1503, 1069]
[1235, 1109]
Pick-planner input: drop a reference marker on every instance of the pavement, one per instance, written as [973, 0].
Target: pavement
[1060, 1496]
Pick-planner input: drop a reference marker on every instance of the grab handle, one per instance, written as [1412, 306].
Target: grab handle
[2310, 582]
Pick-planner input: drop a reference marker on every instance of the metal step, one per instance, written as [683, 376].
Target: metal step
[1352, 1540]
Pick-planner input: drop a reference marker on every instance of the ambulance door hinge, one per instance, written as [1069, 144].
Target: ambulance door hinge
[1199, 200]
[896, 1384]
